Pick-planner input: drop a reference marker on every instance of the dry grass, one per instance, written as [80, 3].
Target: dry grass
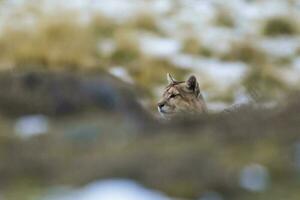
[60, 40]
[54, 42]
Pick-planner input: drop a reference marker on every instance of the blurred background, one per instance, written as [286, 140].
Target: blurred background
[79, 82]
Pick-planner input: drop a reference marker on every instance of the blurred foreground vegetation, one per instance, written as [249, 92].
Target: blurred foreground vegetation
[184, 158]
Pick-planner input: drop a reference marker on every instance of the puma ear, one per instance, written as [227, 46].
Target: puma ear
[192, 83]
[170, 78]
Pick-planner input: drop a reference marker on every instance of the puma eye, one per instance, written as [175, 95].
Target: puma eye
[172, 96]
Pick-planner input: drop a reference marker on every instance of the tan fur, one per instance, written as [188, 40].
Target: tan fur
[181, 97]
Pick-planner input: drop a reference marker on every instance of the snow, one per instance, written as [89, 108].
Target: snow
[107, 46]
[31, 125]
[296, 64]
[159, 47]
[121, 73]
[255, 178]
[110, 190]
[223, 74]
[281, 46]
[161, 6]
[219, 39]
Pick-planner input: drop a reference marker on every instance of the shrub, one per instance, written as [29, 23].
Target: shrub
[277, 26]
[102, 26]
[193, 46]
[224, 18]
[144, 22]
[245, 52]
[149, 73]
[127, 47]
[263, 84]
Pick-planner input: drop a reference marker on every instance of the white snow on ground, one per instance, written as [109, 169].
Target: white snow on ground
[219, 39]
[31, 125]
[296, 64]
[159, 47]
[120, 72]
[255, 178]
[223, 74]
[161, 6]
[110, 190]
[107, 47]
[280, 47]
[118, 9]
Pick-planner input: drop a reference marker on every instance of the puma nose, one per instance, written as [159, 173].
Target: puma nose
[160, 105]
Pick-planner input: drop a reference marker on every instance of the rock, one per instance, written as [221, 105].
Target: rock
[65, 93]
